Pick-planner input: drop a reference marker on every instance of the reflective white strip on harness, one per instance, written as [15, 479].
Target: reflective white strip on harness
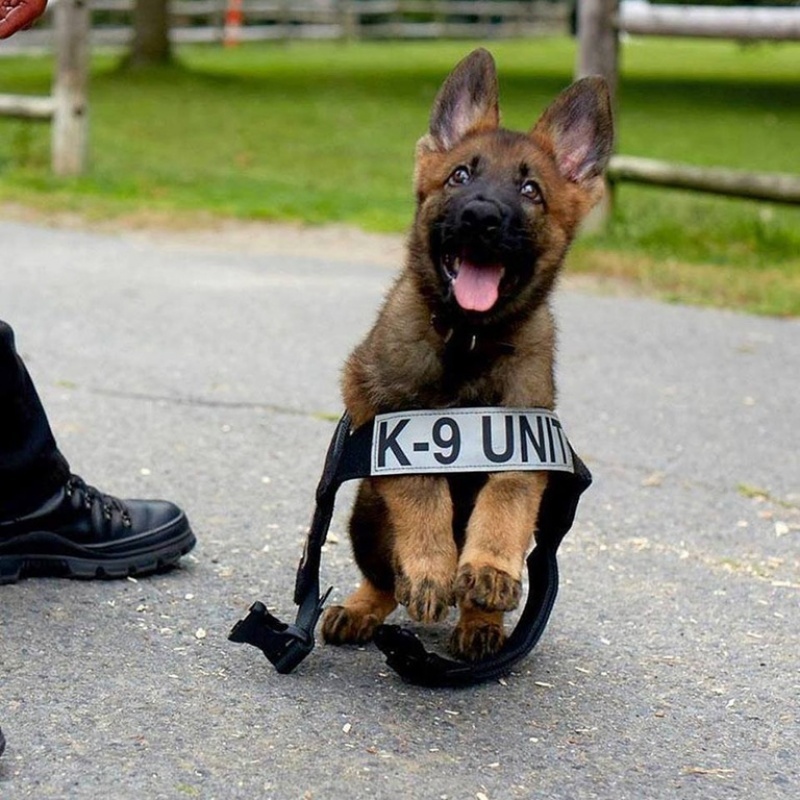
[469, 440]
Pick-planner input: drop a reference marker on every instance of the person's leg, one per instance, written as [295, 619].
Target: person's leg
[51, 522]
[31, 467]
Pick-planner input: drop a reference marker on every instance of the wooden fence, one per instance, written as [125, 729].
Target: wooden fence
[197, 21]
[108, 22]
[599, 25]
[68, 105]
[450, 18]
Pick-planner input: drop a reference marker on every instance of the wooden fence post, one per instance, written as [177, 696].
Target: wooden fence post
[598, 47]
[598, 54]
[70, 88]
[348, 19]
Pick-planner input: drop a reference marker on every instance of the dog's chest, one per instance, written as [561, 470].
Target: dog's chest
[455, 378]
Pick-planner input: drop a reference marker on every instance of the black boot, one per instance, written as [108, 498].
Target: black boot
[82, 533]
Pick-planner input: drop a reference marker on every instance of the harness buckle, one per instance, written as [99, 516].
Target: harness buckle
[407, 656]
[283, 644]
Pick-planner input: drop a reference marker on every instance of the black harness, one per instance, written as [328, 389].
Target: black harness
[348, 458]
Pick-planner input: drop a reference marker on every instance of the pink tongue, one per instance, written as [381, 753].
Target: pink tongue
[477, 287]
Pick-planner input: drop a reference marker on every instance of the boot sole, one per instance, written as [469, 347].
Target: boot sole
[54, 556]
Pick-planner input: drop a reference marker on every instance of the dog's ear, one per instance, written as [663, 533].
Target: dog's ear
[466, 103]
[577, 129]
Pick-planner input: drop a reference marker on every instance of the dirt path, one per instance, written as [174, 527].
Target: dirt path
[337, 242]
[208, 232]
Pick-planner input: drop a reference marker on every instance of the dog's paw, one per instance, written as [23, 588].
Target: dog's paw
[342, 625]
[427, 600]
[473, 641]
[488, 588]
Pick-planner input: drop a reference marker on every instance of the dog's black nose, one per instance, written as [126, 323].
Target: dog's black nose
[481, 228]
[482, 218]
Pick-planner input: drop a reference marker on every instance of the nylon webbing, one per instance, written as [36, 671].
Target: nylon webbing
[348, 458]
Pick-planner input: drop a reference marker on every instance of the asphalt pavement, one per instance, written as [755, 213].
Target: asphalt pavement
[209, 375]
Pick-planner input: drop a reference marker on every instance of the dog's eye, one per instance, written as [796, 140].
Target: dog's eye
[459, 176]
[531, 191]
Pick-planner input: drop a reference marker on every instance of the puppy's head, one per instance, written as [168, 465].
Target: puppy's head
[497, 209]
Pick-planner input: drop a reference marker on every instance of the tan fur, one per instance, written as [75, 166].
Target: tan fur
[403, 527]
[366, 608]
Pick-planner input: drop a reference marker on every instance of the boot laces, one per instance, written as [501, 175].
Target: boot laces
[89, 497]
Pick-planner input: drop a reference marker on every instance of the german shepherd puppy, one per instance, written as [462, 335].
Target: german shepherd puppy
[468, 323]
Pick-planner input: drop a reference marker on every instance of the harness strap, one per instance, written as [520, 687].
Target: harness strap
[348, 458]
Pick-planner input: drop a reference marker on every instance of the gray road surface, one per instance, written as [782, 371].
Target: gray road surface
[670, 666]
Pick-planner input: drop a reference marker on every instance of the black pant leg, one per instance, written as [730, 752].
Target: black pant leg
[31, 466]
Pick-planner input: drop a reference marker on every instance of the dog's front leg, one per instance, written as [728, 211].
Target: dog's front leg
[488, 581]
[424, 550]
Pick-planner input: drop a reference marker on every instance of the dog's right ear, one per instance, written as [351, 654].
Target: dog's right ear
[467, 103]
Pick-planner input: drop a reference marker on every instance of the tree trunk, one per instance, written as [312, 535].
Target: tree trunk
[150, 45]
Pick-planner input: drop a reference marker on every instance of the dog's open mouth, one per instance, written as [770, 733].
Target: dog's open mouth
[476, 284]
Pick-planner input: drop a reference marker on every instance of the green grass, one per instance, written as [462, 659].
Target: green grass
[326, 133]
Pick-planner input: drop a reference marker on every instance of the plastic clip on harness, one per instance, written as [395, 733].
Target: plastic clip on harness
[372, 450]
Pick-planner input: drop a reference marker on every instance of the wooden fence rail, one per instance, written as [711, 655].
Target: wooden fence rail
[710, 22]
[771, 186]
[23, 107]
[195, 21]
[599, 25]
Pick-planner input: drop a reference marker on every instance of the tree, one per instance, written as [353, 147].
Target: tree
[151, 44]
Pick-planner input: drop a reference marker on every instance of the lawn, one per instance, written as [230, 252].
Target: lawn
[325, 133]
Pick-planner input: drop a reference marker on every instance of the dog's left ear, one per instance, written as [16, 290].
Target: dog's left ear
[577, 129]
[467, 103]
